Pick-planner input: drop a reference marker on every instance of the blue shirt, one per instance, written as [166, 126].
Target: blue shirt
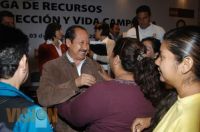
[34, 119]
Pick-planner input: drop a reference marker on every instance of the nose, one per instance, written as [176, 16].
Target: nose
[157, 61]
[141, 21]
[85, 45]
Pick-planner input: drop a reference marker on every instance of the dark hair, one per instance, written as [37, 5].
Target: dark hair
[51, 30]
[183, 42]
[161, 109]
[143, 8]
[134, 22]
[155, 43]
[148, 78]
[70, 32]
[128, 50]
[180, 23]
[145, 71]
[104, 27]
[13, 45]
[5, 14]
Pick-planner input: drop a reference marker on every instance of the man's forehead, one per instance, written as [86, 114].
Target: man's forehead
[78, 30]
[142, 14]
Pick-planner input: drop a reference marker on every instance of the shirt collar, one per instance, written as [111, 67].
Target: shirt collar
[8, 90]
[105, 40]
[79, 66]
[49, 41]
[150, 25]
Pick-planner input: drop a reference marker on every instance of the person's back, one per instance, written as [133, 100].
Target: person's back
[17, 111]
[109, 107]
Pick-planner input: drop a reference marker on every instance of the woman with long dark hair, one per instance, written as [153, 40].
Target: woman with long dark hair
[179, 66]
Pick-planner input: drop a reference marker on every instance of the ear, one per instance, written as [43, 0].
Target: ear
[68, 42]
[186, 65]
[23, 63]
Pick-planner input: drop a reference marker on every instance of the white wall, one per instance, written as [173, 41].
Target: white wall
[110, 9]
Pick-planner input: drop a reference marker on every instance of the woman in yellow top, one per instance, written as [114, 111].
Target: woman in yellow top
[179, 66]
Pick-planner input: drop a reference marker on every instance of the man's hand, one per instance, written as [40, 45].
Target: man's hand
[85, 79]
[140, 124]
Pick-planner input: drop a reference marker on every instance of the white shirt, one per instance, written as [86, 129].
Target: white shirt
[151, 31]
[58, 49]
[77, 67]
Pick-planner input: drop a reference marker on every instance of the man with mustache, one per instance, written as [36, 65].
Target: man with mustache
[69, 75]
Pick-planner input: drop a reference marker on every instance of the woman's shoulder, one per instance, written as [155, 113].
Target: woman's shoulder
[45, 46]
[114, 84]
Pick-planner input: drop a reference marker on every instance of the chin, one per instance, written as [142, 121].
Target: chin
[143, 27]
[82, 58]
[83, 55]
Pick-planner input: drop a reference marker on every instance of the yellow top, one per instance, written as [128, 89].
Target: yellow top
[183, 116]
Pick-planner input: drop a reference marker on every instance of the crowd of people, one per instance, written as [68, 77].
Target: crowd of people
[151, 82]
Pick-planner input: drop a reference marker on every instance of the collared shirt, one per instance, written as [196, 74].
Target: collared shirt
[77, 67]
[57, 49]
[34, 119]
[106, 107]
